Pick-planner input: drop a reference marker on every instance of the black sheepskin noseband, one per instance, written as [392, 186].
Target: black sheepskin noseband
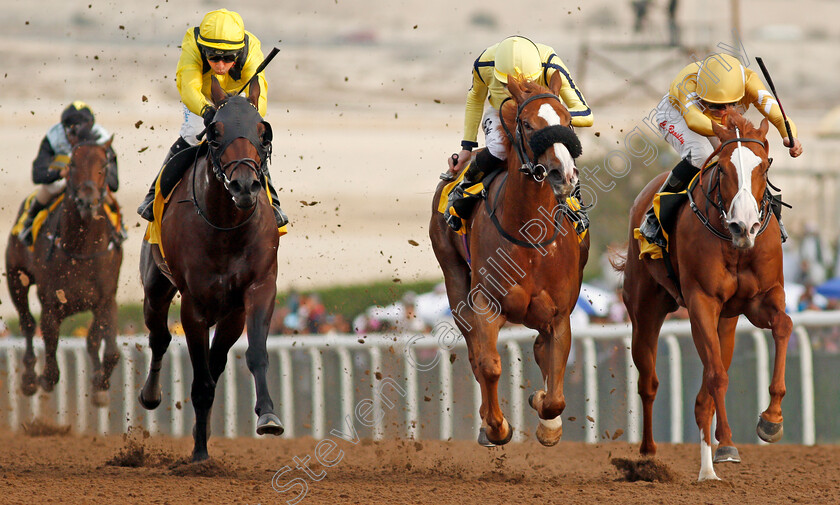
[550, 135]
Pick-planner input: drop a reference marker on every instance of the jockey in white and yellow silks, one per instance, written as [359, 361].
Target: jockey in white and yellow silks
[536, 62]
[699, 95]
[219, 47]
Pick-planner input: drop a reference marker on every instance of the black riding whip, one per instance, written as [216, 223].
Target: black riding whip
[773, 89]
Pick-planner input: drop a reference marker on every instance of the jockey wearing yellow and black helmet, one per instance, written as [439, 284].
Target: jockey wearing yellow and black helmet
[219, 47]
[50, 165]
[698, 96]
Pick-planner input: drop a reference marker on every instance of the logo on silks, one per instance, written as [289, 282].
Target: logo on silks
[240, 119]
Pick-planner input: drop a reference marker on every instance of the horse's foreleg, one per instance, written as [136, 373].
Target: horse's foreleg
[103, 326]
[771, 314]
[159, 292]
[726, 451]
[228, 331]
[203, 386]
[644, 347]
[551, 350]
[29, 380]
[19, 284]
[50, 323]
[704, 315]
[259, 306]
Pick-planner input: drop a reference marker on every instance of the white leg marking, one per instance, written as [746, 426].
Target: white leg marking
[707, 471]
[552, 424]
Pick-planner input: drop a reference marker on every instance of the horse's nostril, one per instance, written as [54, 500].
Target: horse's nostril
[255, 186]
[236, 186]
[737, 228]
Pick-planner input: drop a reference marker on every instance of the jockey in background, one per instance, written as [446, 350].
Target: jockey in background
[221, 47]
[699, 95]
[514, 55]
[50, 166]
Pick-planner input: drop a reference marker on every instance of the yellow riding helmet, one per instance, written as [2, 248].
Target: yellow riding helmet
[222, 30]
[517, 56]
[721, 79]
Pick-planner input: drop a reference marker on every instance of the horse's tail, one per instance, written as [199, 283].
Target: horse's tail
[618, 257]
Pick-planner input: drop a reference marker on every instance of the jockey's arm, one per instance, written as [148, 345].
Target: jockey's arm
[560, 78]
[41, 171]
[767, 105]
[188, 76]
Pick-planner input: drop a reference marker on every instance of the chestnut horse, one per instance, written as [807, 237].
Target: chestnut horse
[725, 266]
[75, 262]
[526, 260]
[219, 237]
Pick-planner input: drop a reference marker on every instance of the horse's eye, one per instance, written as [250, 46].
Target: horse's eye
[527, 125]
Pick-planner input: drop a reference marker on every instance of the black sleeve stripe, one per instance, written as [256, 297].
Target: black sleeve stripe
[571, 83]
[478, 64]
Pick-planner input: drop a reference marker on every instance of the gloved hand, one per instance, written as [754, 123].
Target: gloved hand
[59, 163]
[208, 113]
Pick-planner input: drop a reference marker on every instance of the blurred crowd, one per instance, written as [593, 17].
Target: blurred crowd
[305, 314]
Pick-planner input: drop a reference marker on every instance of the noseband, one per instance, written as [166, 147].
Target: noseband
[540, 141]
[764, 209]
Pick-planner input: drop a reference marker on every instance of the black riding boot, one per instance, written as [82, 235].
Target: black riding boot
[146, 209]
[25, 234]
[279, 215]
[677, 181]
[481, 165]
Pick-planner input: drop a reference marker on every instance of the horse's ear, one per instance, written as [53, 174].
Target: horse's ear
[556, 83]
[254, 93]
[719, 130]
[107, 145]
[763, 127]
[216, 91]
[515, 88]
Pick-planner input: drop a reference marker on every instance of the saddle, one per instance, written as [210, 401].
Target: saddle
[114, 217]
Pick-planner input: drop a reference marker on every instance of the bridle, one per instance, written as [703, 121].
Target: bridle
[717, 202]
[71, 190]
[539, 142]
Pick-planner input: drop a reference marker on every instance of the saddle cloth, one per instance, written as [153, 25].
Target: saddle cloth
[575, 213]
[41, 218]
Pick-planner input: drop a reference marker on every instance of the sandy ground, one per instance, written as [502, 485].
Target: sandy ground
[75, 469]
[366, 100]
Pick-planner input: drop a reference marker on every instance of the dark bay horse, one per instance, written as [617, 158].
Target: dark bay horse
[526, 260]
[219, 237]
[76, 264]
[739, 271]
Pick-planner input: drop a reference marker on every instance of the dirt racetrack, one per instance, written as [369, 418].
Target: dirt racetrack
[73, 469]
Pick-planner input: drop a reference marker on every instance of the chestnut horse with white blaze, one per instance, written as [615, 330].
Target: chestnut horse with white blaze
[726, 255]
[508, 271]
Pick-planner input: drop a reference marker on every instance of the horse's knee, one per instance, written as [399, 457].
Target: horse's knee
[648, 386]
[490, 368]
[202, 394]
[782, 328]
[256, 359]
[716, 380]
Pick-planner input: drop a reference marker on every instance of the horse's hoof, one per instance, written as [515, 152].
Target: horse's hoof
[100, 399]
[29, 388]
[198, 457]
[46, 384]
[769, 432]
[727, 454]
[484, 440]
[149, 404]
[550, 431]
[269, 424]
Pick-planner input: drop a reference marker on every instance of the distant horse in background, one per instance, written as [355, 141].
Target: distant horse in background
[724, 266]
[219, 238]
[75, 262]
[526, 258]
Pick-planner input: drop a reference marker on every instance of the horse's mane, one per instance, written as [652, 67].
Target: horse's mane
[87, 136]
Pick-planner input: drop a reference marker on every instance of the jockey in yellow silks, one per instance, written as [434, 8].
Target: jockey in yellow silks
[219, 47]
[512, 56]
[699, 95]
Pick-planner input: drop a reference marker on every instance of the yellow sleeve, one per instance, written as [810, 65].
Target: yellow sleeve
[188, 76]
[766, 103]
[255, 57]
[682, 97]
[475, 107]
[569, 93]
